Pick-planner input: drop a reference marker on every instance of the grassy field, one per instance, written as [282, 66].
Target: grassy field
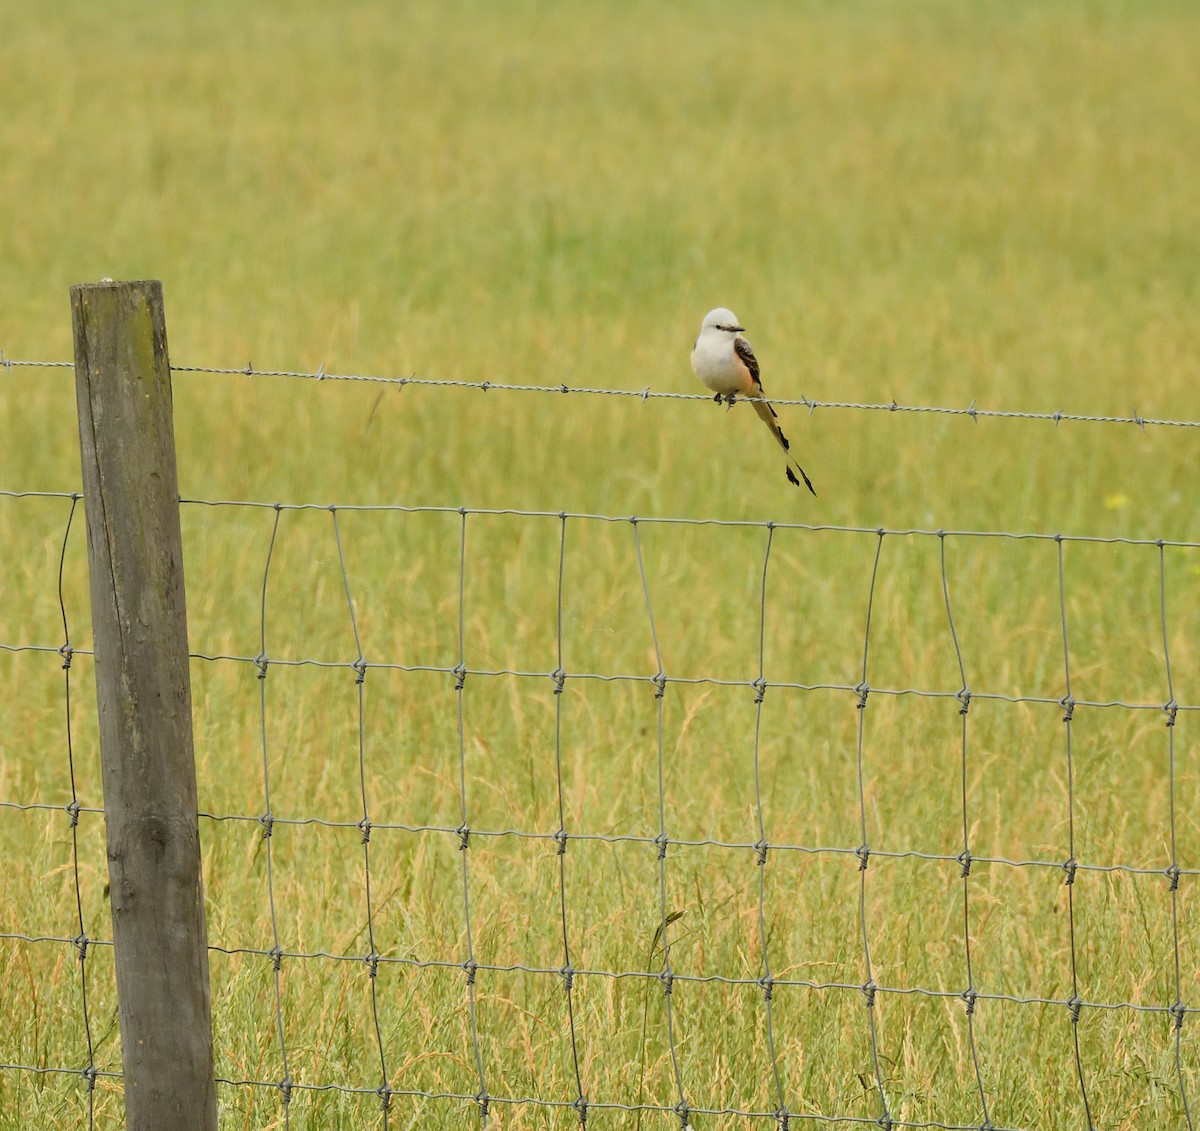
[934, 203]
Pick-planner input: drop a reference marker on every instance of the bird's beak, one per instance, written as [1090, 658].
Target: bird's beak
[738, 329]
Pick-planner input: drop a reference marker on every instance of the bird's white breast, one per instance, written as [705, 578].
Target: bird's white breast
[713, 361]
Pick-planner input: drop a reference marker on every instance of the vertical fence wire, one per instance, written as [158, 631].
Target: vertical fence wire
[267, 820]
[559, 676]
[470, 966]
[863, 852]
[1172, 709]
[767, 981]
[359, 667]
[81, 940]
[969, 995]
[667, 975]
[1070, 866]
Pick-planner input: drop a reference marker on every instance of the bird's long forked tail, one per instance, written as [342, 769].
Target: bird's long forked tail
[770, 418]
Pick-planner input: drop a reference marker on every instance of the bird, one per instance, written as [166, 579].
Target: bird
[724, 361]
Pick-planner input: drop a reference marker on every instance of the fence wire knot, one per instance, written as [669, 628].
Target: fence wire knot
[660, 683]
[964, 859]
[964, 699]
[1173, 873]
[863, 852]
[360, 669]
[862, 690]
[372, 961]
[668, 981]
[275, 954]
[268, 824]
[782, 1115]
[568, 977]
[768, 986]
[581, 1107]
[970, 997]
[560, 677]
[760, 689]
[1075, 1004]
[364, 827]
[66, 652]
[260, 662]
[73, 812]
[1067, 703]
[384, 1092]
[470, 967]
[459, 671]
[90, 1074]
[464, 837]
[1177, 1012]
[683, 1111]
[560, 840]
[484, 1101]
[1172, 709]
[661, 841]
[868, 988]
[81, 942]
[1070, 865]
[760, 850]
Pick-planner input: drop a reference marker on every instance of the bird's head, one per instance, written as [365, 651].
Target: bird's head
[722, 319]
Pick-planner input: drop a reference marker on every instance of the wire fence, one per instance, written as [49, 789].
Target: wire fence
[383, 1075]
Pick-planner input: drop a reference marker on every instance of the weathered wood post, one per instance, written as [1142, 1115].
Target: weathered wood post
[143, 692]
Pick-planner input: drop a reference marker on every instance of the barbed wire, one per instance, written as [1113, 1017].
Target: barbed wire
[646, 393]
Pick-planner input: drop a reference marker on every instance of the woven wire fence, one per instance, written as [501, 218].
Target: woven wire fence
[382, 1078]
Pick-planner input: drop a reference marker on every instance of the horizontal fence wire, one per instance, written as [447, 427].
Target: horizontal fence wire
[646, 393]
[384, 1079]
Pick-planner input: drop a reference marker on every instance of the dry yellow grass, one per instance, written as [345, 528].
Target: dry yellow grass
[931, 203]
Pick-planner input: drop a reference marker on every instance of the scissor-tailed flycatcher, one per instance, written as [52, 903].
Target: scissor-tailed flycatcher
[724, 361]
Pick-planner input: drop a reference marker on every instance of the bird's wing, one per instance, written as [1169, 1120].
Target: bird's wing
[746, 355]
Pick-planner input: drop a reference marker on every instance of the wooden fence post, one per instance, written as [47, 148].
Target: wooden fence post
[143, 692]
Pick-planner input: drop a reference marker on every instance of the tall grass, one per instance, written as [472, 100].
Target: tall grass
[934, 203]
